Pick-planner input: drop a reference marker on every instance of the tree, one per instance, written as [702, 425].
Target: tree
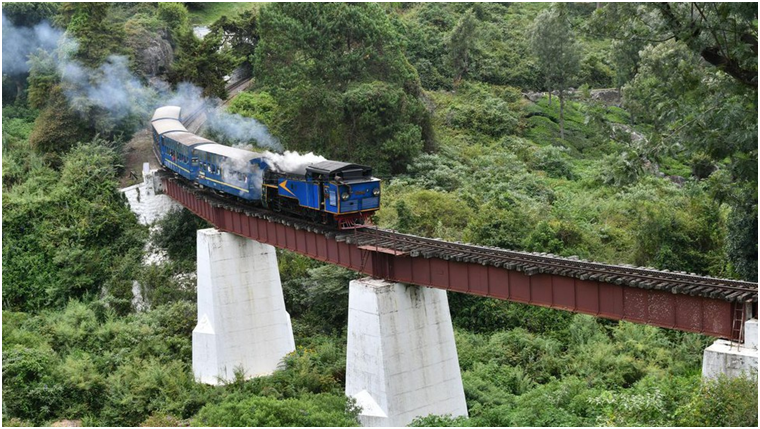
[460, 42]
[27, 14]
[42, 77]
[346, 90]
[723, 34]
[553, 42]
[57, 128]
[240, 34]
[202, 62]
[97, 35]
[174, 15]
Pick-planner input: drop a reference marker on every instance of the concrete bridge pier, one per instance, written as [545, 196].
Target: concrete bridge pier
[401, 357]
[732, 359]
[242, 321]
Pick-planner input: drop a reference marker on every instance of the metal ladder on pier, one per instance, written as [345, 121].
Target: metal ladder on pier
[737, 325]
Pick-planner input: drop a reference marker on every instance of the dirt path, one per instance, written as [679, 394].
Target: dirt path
[136, 152]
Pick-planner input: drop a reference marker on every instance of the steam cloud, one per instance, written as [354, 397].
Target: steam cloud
[19, 42]
[291, 161]
[114, 88]
[239, 129]
[287, 162]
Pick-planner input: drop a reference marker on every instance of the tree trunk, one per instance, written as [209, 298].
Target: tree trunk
[562, 114]
[19, 89]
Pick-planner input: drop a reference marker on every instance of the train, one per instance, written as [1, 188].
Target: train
[341, 194]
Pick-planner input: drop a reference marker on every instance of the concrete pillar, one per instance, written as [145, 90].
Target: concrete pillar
[147, 200]
[242, 322]
[401, 357]
[732, 359]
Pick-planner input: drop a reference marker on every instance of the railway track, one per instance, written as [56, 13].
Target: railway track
[537, 263]
[530, 264]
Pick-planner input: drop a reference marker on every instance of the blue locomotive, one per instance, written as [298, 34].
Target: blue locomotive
[330, 192]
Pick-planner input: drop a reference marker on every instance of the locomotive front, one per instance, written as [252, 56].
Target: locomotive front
[328, 191]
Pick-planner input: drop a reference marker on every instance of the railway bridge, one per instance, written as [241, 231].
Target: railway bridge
[675, 300]
[402, 359]
[401, 356]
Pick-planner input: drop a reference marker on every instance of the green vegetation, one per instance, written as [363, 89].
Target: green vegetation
[444, 101]
[210, 12]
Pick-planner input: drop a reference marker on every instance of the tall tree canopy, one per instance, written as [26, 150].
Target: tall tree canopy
[345, 87]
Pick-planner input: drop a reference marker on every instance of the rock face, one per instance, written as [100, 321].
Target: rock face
[608, 97]
[155, 56]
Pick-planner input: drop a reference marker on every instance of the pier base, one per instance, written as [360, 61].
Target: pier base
[401, 356]
[732, 359]
[242, 322]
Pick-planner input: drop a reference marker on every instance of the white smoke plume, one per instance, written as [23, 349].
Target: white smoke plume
[291, 162]
[111, 87]
[115, 89]
[287, 162]
[19, 42]
[240, 129]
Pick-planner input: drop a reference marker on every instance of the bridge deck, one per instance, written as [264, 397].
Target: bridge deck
[672, 300]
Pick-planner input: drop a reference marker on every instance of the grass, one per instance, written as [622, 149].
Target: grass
[210, 12]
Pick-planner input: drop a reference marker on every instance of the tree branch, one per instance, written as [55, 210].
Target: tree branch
[716, 54]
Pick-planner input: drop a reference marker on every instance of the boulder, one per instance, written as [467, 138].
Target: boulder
[155, 55]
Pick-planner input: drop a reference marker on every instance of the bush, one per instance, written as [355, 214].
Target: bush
[553, 160]
[310, 410]
[57, 128]
[173, 14]
[142, 387]
[258, 105]
[66, 240]
[30, 386]
[723, 402]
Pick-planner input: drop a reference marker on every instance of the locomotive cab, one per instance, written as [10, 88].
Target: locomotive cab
[346, 188]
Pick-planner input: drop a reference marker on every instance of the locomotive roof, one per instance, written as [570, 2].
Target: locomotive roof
[187, 138]
[163, 126]
[167, 112]
[334, 167]
[228, 151]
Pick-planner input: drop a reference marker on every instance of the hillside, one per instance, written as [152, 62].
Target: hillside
[641, 149]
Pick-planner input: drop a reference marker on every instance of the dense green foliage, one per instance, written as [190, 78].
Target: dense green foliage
[67, 232]
[440, 98]
[201, 62]
[341, 83]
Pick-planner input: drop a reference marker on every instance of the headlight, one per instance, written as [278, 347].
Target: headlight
[376, 191]
[344, 196]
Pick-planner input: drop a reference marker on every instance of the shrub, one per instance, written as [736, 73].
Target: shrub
[30, 388]
[723, 402]
[310, 410]
[553, 160]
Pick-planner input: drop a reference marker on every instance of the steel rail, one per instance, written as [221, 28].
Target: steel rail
[606, 272]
